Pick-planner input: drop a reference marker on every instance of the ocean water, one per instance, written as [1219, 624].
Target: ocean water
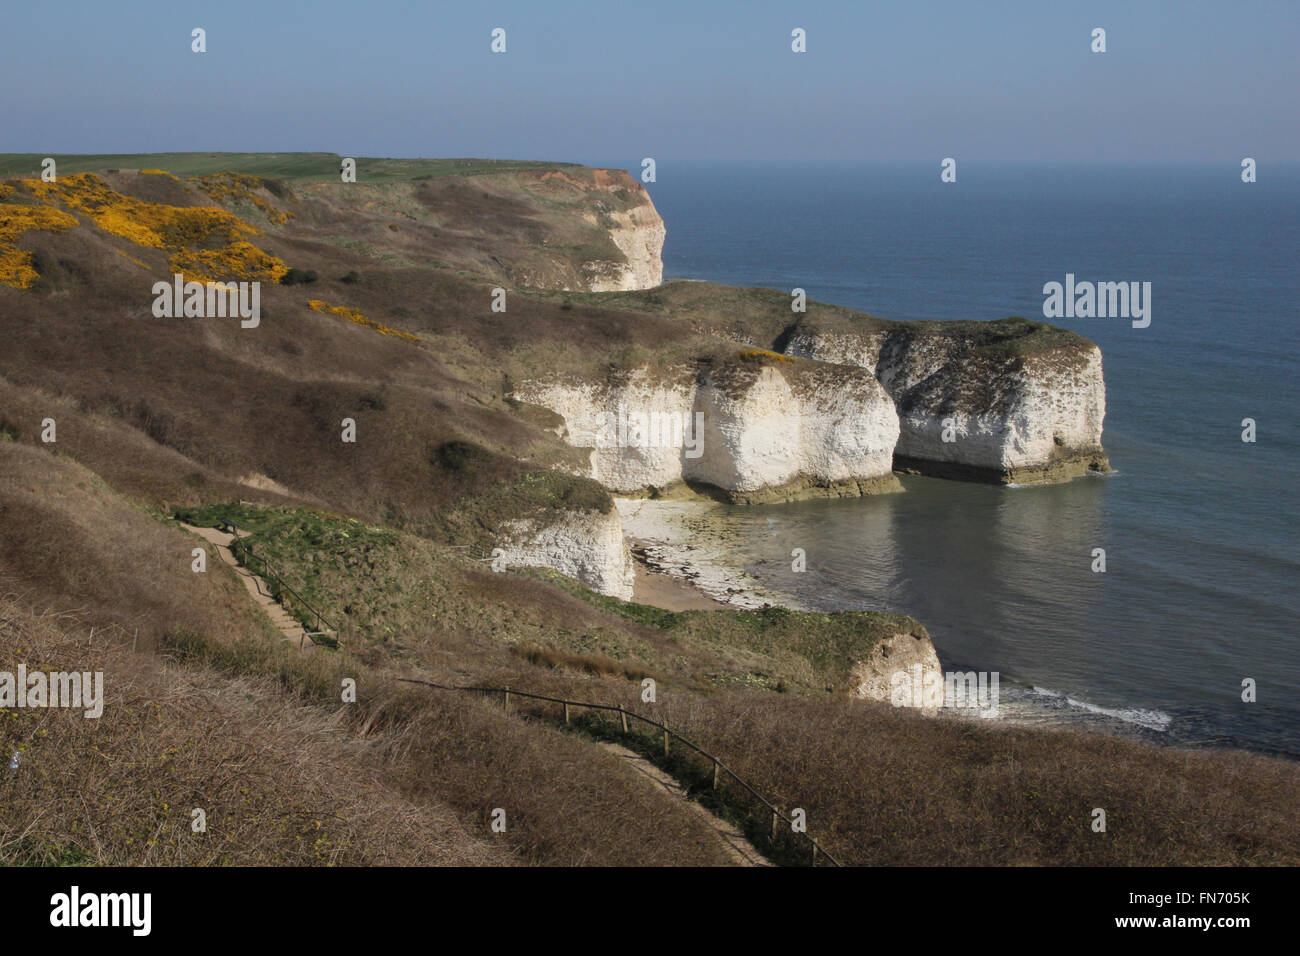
[1199, 527]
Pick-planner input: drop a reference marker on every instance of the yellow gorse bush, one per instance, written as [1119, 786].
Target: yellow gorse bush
[355, 315]
[144, 223]
[208, 244]
[236, 261]
[16, 264]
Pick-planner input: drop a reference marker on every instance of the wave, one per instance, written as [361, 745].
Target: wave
[1156, 720]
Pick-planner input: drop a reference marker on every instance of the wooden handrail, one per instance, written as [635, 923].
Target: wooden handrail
[246, 551]
[818, 849]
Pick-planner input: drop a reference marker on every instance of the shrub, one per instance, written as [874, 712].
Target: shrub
[458, 455]
[298, 277]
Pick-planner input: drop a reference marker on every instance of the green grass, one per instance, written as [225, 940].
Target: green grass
[1012, 336]
[293, 540]
[252, 518]
[31, 851]
[390, 587]
[797, 649]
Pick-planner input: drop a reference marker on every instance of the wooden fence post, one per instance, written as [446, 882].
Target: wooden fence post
[622, 712]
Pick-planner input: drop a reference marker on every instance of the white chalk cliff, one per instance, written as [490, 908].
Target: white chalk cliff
[639, 234]
[975, 412]
[874, 677]
[586, 545]
[751, 431]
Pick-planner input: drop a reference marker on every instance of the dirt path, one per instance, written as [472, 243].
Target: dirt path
[256, 587]
[739, 849]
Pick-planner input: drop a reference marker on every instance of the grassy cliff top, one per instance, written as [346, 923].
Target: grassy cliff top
[302, 167]
[681, 322]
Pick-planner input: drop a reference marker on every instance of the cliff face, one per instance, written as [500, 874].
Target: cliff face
[873, 678]
[749, 432]
[612, 235]
[775, 432]
[973, 409]
[627, 454]
[1007, 401]
[639, 235]
[586, 545]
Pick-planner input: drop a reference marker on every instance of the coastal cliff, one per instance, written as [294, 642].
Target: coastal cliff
[1008, 401]
[874, 676]
[613, 238]
[370, 438]
[586, 545]
[748, 428]
[638, 233]
[685, 389]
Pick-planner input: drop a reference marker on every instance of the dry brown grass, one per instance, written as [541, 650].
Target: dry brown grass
[566, 802]
[597, 665]
[279, 783]
[67, 541]
[287, 777]
[176, 411]
[887, 787]
[256, 729]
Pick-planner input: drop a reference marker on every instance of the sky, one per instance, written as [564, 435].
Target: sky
[997, 81]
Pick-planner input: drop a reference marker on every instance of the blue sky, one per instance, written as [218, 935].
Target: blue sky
[1181, 82]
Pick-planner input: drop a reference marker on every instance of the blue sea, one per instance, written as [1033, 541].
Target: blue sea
[1199, 527]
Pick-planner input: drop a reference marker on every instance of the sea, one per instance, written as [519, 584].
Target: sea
[1190, 635]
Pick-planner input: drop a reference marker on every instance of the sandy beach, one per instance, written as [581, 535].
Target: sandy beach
[663, 590]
